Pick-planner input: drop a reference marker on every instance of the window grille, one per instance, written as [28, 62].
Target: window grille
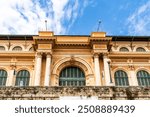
[121, 78]
[2, 48]
[17, 48]
[22, 78]
[143, 78]
[140, 49]
[124, 49]
[3, 77]
[72, 76]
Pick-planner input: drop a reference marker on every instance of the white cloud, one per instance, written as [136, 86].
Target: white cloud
[139, 22]
[28, 16]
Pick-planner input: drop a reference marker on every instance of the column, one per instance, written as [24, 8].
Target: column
[38, 69]
[97, 70]
[47, 71]
[132, 79]
[10, 79]
[107, 72]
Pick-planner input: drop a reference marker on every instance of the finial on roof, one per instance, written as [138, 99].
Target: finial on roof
[99, 22]
[46, 25]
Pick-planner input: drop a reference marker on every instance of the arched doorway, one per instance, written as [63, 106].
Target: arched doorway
[71, 76]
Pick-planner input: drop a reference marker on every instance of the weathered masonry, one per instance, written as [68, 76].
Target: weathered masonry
[71, 63]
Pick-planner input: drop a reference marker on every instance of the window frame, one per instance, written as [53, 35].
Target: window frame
[23, 76]
[121, 78]
[72, 76]
[3, 77]
[140, 49]
[15, 48]
[143, 80]
[123, 48]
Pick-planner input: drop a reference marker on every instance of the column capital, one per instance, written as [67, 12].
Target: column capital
[105, 55]
[96, 55]
[48, 54]
[39, 54]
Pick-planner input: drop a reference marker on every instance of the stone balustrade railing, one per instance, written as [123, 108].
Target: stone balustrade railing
[52, 93]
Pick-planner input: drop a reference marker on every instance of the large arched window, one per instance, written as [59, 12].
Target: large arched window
[3, 77]
[72, 76]
[121, 78]
[140, 49]
[22, 78]
[2, 48]
[143, 78]
[31, 49]
[17, 48]
[124, 49]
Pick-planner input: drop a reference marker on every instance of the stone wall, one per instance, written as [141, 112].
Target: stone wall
[52, 93]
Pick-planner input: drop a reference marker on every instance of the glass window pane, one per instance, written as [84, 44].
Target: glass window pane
[73, 78]
[143, 78]
[3, 77]
[22, 78]
[17, 48]
[124, 49]
[2, 48]
[121, 78]
[140, 49]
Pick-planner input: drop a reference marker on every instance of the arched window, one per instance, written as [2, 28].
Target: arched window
[17, 48]
[124, 49]
[22, 78]
[143, 78]
[31, 49]
[140, 49]
[121, 78]
[3, 77]
[2, 48]
[72, 76]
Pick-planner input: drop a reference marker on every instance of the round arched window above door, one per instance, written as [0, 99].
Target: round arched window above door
[72, 76]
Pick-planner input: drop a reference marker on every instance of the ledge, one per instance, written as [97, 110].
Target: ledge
[51, 93]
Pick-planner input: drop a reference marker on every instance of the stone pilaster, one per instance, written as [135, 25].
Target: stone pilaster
[107, 72]
[97, 70]
[132, 76]
[11, 77]
[47, 70]
[38, 69]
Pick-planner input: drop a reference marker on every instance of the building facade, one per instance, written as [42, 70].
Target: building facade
[71, 61]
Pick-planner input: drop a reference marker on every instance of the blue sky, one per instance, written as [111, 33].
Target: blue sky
[75, 17]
